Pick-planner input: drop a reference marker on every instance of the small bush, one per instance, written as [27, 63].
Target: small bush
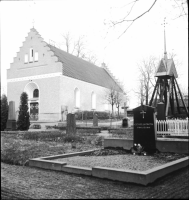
[99, 141]
[89, 115]
[44, 136]
[72, 138]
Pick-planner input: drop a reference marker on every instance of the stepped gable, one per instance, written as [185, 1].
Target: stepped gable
[80, 69]
[166, 68]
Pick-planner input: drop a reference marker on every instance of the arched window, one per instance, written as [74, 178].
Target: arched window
[35, 93]
[77, 98]
[93, 101]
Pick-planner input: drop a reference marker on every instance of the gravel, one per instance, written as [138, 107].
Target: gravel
[128, 161]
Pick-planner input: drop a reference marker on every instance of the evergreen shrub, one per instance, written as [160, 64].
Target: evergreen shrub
[23, 122]
[4, 112]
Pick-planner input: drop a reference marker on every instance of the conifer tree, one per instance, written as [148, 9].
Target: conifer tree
[23, 122]
[4, 111]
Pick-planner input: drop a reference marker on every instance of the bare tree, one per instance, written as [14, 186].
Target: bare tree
[147, 80]
[68, 42]
[110, 97]
[180, 5]
[80, 46]
[118, 100]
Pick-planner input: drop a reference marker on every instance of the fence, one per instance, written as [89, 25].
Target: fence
[175, 127]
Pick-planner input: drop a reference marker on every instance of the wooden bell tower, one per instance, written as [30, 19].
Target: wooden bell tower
[166, 89]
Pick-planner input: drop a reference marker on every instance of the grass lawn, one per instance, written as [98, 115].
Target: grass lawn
[18, 147]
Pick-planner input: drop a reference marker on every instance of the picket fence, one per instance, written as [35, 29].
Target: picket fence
[176, 127]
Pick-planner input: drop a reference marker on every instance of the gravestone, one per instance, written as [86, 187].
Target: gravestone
[145, 128]
[71, 124]
[64, 112]
[95, 120]
[11, 122]
[161, 111]
[125, 123]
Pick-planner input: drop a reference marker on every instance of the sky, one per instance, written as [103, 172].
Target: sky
[91, 18]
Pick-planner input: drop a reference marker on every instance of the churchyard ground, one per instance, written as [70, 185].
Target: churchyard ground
[18, 181]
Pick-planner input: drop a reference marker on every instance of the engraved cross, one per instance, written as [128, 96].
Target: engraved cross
[142, 113]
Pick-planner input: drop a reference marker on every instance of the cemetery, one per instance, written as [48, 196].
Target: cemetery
[108, 166]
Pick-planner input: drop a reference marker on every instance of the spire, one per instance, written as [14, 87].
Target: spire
[165, 51]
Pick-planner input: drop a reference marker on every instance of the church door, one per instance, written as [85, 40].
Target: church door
[34, 111]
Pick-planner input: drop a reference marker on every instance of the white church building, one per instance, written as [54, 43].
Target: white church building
[56, 82]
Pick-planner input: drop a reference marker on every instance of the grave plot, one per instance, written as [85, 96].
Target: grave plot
[121, 159]
[127, 168]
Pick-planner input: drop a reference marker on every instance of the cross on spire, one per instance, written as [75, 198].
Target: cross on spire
[165, 51]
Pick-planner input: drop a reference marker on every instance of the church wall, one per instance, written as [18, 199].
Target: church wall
[49, 107]
[68, 86]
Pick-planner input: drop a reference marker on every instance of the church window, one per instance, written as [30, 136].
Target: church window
[31, 55]
[77, 98]
[36, 56]
[35, 93]
[93, 100]
[26, 58]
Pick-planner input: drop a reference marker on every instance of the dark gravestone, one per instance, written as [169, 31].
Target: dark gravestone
[71, 124]
[11, 122]
[145, 127]
[95, 120]
[161, 111]
[125, 123]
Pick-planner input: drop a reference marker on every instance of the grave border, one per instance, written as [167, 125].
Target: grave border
[132, 176]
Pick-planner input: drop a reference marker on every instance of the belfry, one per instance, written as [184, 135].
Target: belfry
[166, 89]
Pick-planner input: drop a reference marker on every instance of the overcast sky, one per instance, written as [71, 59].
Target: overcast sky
[90, 18]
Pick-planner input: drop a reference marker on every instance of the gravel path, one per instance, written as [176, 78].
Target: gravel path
[140, 163]
[18, 182]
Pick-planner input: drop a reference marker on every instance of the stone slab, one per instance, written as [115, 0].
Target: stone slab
[140, 177]
[160, 171]
[45, 164]
[66, 155]
[77, 170]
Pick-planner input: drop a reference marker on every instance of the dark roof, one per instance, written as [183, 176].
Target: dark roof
[166, 68]
[85, 71]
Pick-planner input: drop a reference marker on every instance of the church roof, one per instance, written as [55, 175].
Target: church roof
[166, 68]
[85, 71]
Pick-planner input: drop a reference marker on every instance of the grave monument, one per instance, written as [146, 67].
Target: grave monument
[11, 122]
[145, 128]
[71, 124]
[125, 119]
[95, 120]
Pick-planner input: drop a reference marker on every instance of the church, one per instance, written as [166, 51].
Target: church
[57, 82]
